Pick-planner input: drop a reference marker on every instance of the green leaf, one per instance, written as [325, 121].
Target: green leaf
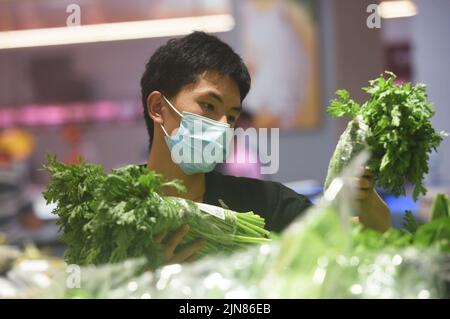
[440, 207]
[409, 222]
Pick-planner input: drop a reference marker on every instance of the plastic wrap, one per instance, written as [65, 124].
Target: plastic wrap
[351, 142]
[223, 230]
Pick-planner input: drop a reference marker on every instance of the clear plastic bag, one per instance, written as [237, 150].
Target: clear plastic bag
[351, 142]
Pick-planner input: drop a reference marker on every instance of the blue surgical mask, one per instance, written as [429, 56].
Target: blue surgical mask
[199, 143]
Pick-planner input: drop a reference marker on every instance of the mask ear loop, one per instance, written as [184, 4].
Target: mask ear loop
[164, 130]
[173, 108]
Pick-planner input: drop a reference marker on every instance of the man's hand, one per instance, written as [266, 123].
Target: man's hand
[372, 210]
[171, 242]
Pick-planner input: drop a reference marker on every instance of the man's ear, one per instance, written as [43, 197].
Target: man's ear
[154, 107]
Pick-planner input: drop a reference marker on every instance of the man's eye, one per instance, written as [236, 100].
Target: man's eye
[231, 119]
[208, 106]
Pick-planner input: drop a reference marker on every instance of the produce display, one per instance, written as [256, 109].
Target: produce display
[110, 220]
[107, 218]
[318, 256]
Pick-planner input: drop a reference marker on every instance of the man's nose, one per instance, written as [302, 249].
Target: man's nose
[223, 119]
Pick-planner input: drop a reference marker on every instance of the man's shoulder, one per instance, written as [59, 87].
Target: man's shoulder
[239, 181]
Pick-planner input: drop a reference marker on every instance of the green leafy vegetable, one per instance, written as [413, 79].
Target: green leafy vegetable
[396, 127]
[112, 217]
[435, 234]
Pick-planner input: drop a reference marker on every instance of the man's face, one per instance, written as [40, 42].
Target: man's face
[213, 96]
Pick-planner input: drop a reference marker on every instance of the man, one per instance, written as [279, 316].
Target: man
[197, 77]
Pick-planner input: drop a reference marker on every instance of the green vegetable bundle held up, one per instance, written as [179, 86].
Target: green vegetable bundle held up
[394, 124]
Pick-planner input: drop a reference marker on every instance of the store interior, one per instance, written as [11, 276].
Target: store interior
[76, 97]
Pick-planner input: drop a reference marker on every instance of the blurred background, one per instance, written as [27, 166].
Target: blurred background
[70, 71]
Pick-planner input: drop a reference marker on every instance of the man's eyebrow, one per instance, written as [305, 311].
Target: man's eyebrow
[237, 108]
[219, 99]
[215, 96]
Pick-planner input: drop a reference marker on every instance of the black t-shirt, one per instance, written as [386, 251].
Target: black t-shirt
[276, 203]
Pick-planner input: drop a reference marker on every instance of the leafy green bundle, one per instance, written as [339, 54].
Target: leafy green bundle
[112, 217]
[395, 124]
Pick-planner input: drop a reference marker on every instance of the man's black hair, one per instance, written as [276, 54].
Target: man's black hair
[180, 62]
